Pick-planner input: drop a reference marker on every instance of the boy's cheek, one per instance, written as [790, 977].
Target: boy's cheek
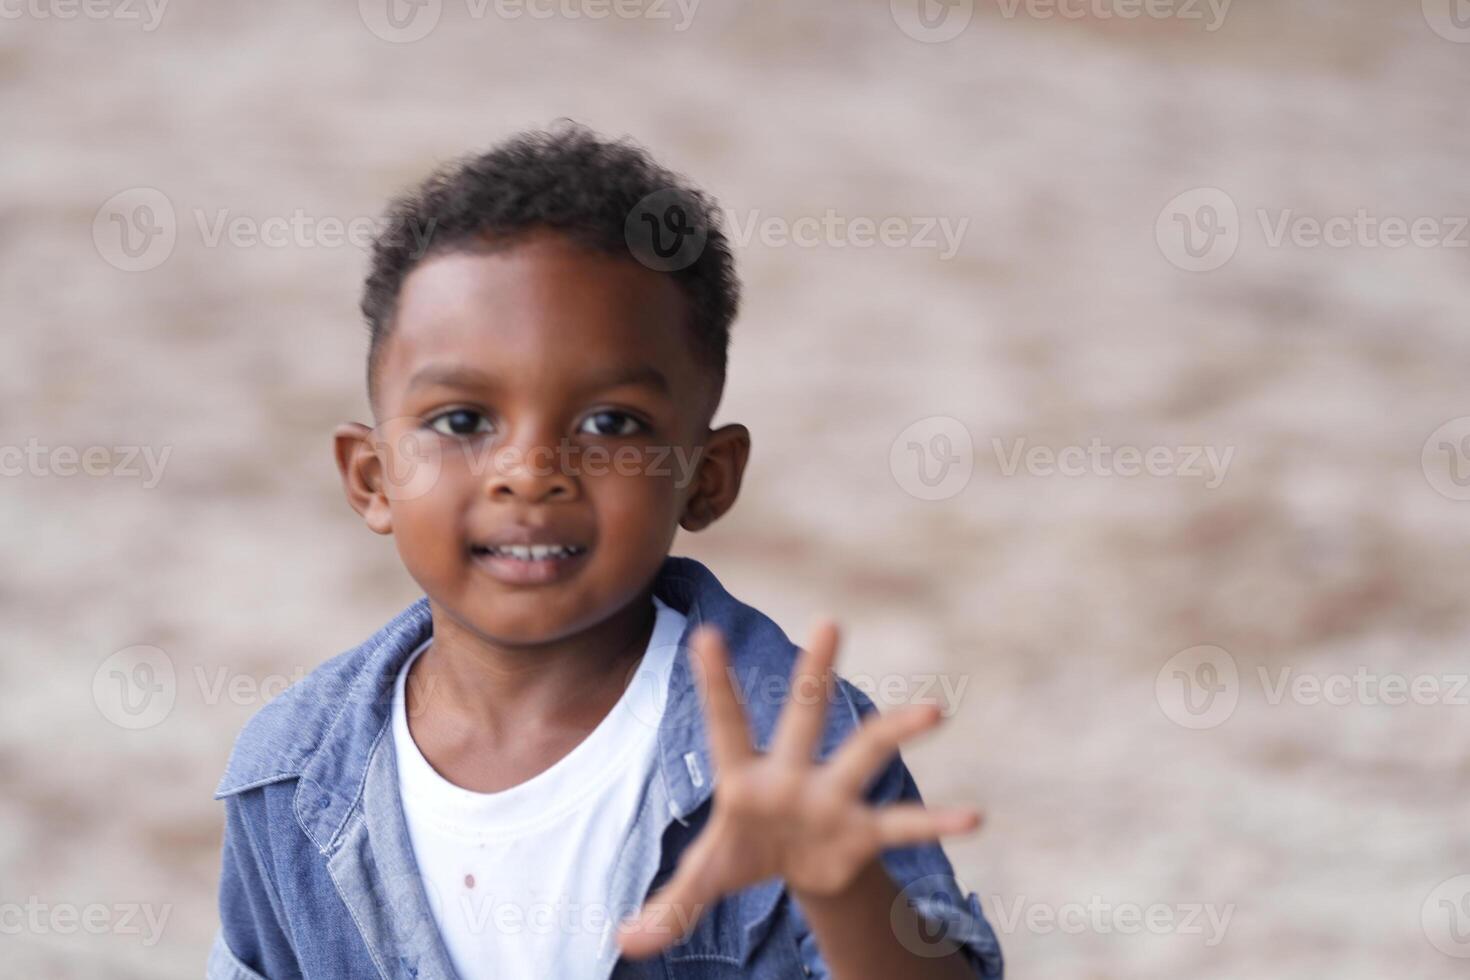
[631, 502]
[427, 531]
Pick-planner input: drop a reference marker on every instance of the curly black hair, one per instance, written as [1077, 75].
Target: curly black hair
[606, 195]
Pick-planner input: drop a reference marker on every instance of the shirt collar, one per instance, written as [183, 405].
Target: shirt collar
[323, 730]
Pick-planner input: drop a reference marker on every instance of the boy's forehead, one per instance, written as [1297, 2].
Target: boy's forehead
[547, 309]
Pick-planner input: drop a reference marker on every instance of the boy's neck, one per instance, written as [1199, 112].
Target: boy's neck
[465, 690]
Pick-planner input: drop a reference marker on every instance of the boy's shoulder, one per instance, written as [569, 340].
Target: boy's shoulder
[281, 738]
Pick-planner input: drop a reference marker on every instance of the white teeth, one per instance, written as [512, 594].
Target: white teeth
[535, 552]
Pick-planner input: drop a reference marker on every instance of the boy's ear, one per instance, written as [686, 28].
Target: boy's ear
[717, 477]
[362, 473]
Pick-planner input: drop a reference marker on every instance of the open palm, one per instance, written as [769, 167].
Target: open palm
[779, 813]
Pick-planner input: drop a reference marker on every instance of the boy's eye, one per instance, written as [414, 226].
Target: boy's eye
[460, 422]
[611, 424]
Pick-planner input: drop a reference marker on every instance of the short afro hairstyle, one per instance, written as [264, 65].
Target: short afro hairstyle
[609, 196]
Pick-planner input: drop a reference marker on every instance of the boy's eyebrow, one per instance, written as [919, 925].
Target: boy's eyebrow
[460, 376]
[450, 376]
[640, 374]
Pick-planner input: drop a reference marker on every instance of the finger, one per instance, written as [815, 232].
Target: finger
[668, 915]
[875, 740]
[801, 721]
[729, 732]
[902, 824]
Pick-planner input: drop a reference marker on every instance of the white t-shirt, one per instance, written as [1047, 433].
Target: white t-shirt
[519, 881]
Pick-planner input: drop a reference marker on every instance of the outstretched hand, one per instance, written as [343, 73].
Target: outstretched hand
[779, 814]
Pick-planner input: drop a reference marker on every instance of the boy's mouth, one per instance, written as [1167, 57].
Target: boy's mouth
[534, 552]
[528, 564]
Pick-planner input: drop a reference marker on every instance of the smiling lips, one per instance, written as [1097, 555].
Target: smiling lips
[534, 552]
[537, 563]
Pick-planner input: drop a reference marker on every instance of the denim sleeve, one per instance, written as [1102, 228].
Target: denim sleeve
[926, 881]
[252, 943]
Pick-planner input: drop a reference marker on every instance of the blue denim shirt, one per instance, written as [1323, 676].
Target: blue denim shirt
[319, 880]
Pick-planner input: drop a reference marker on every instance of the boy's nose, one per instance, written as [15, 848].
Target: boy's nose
[533, 475]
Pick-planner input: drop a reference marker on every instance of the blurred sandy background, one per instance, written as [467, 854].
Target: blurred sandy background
[1331, 835]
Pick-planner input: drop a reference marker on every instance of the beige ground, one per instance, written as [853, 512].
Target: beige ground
[1056, 600]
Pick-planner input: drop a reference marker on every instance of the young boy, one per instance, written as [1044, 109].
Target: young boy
[574, 756]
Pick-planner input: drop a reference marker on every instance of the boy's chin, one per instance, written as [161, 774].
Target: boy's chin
[519, 615]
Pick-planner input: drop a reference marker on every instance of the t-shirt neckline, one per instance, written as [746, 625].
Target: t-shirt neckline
[623, 734]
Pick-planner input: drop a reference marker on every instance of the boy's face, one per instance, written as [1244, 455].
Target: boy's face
[545, 390]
